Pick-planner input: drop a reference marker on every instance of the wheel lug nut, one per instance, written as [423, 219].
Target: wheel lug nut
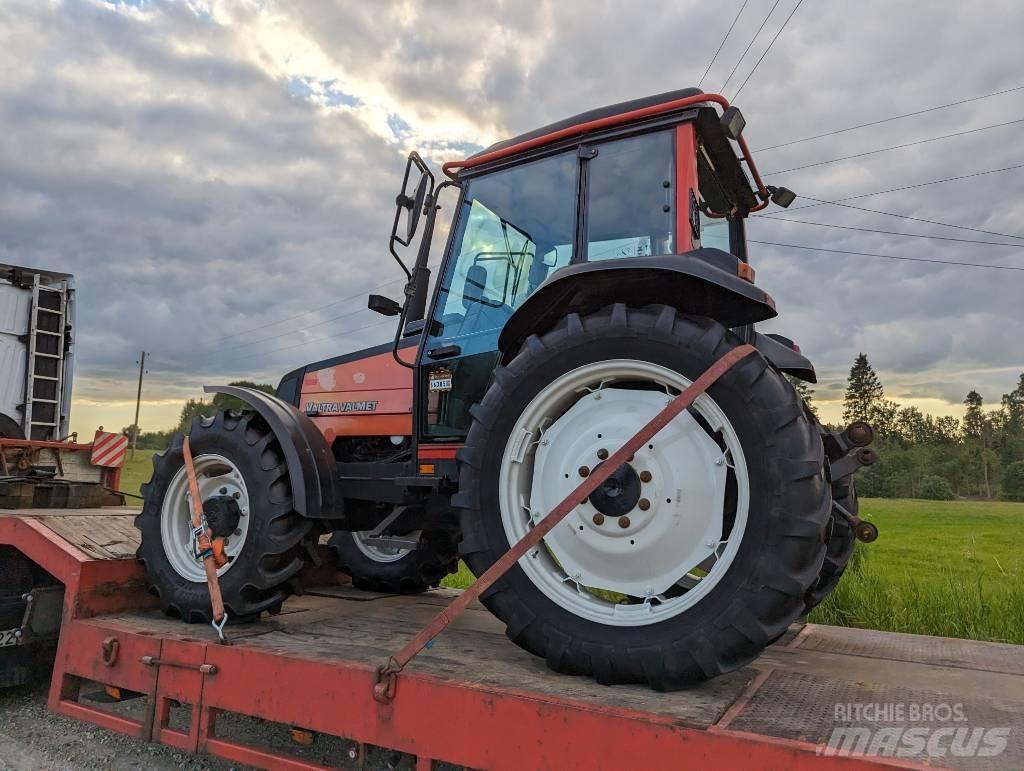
[602, 454]
[223, 491]
[584, 471]
[599, 519]
[644, 504]
[645, 476]
[236, 496]
[623, 522]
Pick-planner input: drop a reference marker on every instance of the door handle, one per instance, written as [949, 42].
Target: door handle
[444, 351]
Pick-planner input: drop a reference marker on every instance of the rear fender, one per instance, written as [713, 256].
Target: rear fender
[704, 282]
[780, 351]
[311, 464]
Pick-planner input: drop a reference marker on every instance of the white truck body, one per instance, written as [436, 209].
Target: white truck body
[37, 321]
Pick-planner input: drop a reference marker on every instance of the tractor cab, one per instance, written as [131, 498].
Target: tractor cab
[646, 179]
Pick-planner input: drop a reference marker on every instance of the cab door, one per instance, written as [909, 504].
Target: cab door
[515, 227]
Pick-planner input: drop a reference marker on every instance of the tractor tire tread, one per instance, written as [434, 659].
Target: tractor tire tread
[771, 596]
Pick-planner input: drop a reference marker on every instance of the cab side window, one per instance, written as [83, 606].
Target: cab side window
[630, 191]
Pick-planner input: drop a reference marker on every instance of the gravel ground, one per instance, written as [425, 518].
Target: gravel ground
[32, 738]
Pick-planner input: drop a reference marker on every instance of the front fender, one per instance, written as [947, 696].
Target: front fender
[311, 464]
[704, 282]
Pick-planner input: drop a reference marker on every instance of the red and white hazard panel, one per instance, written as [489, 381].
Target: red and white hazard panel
[108, 449]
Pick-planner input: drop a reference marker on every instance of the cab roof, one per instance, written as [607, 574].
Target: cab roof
[591, 115]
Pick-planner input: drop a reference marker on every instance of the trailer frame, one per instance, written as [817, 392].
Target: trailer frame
[113, 635]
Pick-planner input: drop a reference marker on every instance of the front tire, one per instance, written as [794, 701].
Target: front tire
[237, 456]
[616, 620]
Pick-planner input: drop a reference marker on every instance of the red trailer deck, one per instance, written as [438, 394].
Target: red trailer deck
[473, 699]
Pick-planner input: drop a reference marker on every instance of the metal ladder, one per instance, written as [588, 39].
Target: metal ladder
[44, 384]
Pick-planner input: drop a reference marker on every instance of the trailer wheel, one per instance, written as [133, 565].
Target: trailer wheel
[239, 461]
[696, 553]
[376, 568]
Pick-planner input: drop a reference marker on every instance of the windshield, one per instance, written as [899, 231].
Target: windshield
[516, 228]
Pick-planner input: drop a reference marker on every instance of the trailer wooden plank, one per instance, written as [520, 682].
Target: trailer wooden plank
[924, 649]
[104, 533]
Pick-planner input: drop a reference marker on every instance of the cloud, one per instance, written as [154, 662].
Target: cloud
[211, 169]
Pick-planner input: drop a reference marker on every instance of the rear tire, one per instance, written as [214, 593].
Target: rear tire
[754, 598]
[839, 546]
[403, 572]
[264, 571]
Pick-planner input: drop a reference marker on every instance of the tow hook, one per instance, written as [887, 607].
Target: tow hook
[849, 464]
[865, 531]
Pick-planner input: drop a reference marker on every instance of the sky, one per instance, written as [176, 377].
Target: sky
[220, 175]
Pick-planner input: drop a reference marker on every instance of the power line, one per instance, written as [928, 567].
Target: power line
[914, 219]
[745, 50]
[719, 49]
[888, 232]
[327, 321]
[309, 312]
[310, 342]
[821, 202]
[891, 256]
[769, 48]
[892, 118]
[302, 329]
[895, 147]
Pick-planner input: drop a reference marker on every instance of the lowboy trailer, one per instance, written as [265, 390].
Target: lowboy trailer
[468, 699]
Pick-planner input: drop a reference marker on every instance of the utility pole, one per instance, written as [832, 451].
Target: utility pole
[138, 403]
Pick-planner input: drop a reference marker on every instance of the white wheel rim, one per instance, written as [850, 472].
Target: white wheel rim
[216, 475]
[375, 552]
[677, 542]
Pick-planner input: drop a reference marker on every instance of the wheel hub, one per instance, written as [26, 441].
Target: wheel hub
[226, 501]
[619, 493]
[222, 515]
[631, 536]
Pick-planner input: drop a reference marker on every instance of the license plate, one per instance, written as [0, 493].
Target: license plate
[441, 380]
[7, 638]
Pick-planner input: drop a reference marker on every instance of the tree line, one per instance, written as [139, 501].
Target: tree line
[921, 456]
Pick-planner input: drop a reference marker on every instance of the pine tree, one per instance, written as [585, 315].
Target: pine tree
[863, 391]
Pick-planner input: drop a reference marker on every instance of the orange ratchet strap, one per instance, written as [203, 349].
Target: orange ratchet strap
[210, 551]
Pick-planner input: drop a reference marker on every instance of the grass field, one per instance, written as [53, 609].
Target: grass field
[136, 472]
[954, 569]
[950, 568]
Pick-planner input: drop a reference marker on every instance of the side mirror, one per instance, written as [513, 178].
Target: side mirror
[410, 202]
[385, 306]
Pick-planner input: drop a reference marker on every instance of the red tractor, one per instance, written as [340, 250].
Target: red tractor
[595, 267]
